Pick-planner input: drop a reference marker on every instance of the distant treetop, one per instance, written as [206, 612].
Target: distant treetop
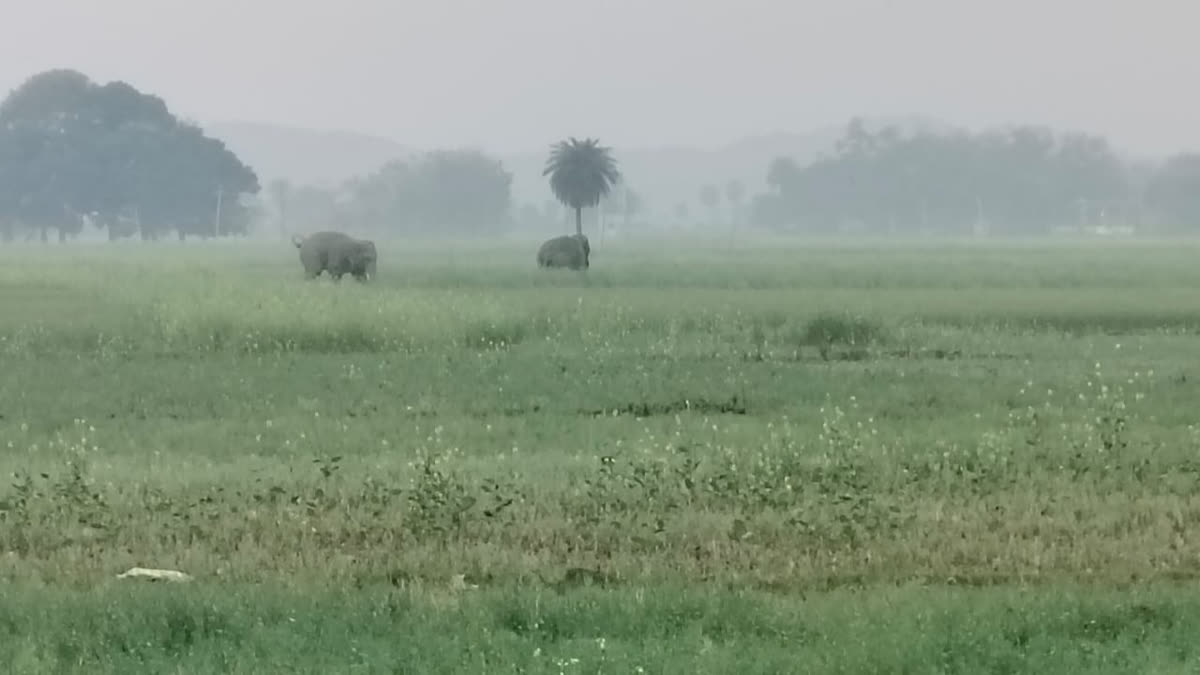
[73, 150]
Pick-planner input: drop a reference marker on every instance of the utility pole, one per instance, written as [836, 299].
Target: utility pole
[217, 217]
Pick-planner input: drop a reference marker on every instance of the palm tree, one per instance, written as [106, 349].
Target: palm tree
[581, 174]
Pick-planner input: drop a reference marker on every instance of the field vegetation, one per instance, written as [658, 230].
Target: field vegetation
[813, 456]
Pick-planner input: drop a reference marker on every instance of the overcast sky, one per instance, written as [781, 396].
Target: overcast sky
[518, 74]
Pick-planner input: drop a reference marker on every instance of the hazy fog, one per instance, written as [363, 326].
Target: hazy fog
[512, 76]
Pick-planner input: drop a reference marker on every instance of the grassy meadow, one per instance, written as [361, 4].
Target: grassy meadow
[788, 456]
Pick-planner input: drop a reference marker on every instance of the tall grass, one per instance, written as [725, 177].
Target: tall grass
[777, 420]
[669, 629]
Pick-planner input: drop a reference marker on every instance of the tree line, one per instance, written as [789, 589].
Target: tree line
[460, 191]
[74, 152]
[1018, 180]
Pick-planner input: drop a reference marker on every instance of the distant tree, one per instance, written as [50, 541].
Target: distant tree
[553, 212]
[710, 198]
[382, 200]
[314, 208]
[191, 183]
[611, 205]
[70, 149]
[464, 190]
[1173, 192]
[47, 98]
[529, 215]
[782, 171]
[735, 193]
[456, 190]
[633, 204]
[1022, 179]
[44, 181]
[581, 174]
[682, 211]
[281, 193]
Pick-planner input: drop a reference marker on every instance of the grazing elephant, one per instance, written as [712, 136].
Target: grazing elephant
[570, 251]
[337, 254]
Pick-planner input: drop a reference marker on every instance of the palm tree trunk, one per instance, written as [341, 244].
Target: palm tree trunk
[578, 220]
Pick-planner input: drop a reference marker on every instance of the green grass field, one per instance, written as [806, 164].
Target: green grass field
[806, 457]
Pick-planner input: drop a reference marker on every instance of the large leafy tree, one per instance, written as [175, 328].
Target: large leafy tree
[71, 148]
[1018, 180]
[462, 191]
[581, 174]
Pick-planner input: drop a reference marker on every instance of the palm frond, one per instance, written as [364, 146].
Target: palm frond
[581, 172]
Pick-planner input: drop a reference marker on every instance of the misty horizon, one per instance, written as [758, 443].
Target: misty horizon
[517, 77]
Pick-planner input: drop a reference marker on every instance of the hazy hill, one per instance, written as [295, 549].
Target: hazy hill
[308, 156]
[665, 176]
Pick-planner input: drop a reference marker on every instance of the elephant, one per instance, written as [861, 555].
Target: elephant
[570, 251]
[338, 254]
